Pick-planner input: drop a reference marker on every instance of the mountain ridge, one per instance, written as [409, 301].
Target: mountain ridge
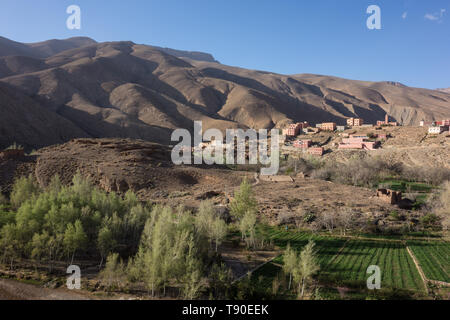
[127, 90]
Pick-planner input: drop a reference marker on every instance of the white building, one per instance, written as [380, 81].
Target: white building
[437, 129]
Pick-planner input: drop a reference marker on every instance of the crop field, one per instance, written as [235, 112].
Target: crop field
[327, 247]
[397, 267]
[434, 258]
[403, 186]
[348, 268]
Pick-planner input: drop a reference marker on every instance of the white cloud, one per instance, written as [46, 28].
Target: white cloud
[431, 17]
[404, 15]
[437, 16]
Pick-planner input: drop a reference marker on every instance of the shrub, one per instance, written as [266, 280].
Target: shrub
[394, 215]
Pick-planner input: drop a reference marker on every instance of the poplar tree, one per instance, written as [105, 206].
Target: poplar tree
[290, 259]
[308, 266]
[243, 201]
[74, 238]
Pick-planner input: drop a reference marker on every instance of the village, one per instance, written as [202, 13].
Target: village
[293, 142]
[301, 138]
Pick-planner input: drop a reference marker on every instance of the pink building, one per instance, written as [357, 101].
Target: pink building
[316, 151]
[328, 126]
[355, 122]
[304, 144]
[294, 129]
[386, 122]
[357, 143]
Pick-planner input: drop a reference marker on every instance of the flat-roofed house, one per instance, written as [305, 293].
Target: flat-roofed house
[355, 122]
[328, 126]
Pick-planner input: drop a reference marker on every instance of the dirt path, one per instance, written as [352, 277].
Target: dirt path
[419, 268]
[256, 268]
[15, 290]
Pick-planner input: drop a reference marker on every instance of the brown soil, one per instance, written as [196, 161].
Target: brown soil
[15, 290]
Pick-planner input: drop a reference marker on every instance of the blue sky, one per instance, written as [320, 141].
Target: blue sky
[285, 36]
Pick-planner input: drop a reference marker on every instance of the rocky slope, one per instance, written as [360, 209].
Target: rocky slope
[60, 89]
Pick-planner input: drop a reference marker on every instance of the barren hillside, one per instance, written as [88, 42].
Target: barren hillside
[120, 89]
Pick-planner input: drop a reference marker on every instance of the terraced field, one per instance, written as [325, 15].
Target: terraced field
[397, 267]
[434, 258]
[344, 263]
[327, 247]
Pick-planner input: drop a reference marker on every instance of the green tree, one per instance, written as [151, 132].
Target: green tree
[219, 231]
[290, 259]
[25, 188]
[209, 224]
[105, 243]
[9, 244]
[308, 266]
[247, 228]
[112, 276]
[40, 246]
[243, 201]
[74, 238]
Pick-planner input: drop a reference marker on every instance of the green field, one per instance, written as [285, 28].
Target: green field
[327, 247]
[397, 267]
[401, 185]
[348, 268]
[434, 258]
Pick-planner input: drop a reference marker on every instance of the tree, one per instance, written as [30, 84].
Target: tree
[290, 259]
[441, 205]
[74, 238]
[219, 231]
[308, 266]
[205, 219]
[40, 246]
[247, 228]
[55, 248]
[221, 278]
[345, 219]
[193, 282]
[9, 243]
[328, 220]
[209, 224]
[105, 243]
[113, 274]
[25, 188]
[243, 201]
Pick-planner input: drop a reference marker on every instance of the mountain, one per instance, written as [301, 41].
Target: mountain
[193, 55]
[80, 88]
[447, 90]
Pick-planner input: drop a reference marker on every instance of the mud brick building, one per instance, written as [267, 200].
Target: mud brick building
[389, 196]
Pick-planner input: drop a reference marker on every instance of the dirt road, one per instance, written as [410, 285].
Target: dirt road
[14, 290]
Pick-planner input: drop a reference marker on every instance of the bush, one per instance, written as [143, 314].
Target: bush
[394, 215]
[309, 217]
